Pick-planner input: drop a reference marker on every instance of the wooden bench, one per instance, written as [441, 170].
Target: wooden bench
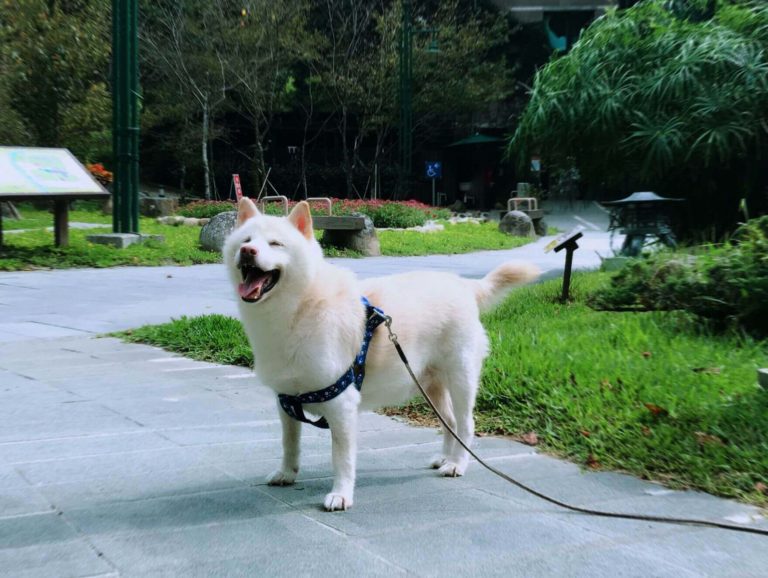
[350, 223]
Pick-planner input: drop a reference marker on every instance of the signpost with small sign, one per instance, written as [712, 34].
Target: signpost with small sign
[566, 241]
[28, 174]
[433, 170]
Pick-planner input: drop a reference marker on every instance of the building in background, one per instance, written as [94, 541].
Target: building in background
[563, 20]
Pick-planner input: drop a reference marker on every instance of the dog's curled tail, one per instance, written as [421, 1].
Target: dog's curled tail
[491, 289]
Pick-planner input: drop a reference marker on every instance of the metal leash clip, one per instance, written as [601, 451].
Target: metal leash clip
[392, 334]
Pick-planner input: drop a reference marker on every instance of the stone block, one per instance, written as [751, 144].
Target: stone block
[762, 377]
[122, 240]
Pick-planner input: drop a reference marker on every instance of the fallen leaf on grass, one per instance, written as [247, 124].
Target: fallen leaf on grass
[707, 439]
[646, 431]
[585, 433]
[592, 462]
[713, 370]
[646, 354]
[530, 438]
[762, 488]
[656, 410]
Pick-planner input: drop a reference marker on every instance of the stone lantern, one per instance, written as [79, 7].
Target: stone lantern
[645, 218]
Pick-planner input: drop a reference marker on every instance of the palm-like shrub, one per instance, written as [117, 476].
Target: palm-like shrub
[668, 95]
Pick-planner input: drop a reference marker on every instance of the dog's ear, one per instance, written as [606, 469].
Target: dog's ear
[246, 209]
[301, 218]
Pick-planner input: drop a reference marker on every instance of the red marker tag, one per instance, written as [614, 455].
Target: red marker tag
[238, 188]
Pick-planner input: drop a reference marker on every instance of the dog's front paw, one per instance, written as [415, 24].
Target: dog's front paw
[281, 478]
[452, 469]
[334, 502]
[437, 461]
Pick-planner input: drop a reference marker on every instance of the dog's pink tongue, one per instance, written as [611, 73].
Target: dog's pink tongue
[252, 285]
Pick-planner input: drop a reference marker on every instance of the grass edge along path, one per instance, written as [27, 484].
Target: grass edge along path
[35, 249]
[648, 394]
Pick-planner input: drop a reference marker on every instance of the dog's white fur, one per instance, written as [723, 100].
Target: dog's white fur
[306, 332]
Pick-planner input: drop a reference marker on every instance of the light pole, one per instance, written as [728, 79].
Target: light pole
[406, 92]
[125, 116]
[406, 98]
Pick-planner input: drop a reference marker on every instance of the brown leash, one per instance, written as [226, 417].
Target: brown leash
[644, 518]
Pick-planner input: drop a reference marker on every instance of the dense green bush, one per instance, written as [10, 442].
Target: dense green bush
[667, 96]
[726, 284]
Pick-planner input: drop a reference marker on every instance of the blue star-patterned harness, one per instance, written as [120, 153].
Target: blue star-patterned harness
[292, 404]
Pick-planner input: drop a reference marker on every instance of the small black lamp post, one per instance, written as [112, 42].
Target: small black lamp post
[566, 241]
[640, 216]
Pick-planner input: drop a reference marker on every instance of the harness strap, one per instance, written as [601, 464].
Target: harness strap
[293, 404]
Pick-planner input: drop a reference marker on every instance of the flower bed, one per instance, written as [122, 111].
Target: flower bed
[384, 214]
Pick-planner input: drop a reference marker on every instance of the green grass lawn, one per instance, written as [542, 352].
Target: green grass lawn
[32, 218]
[646, 393]
[34, 249]
[455, 238]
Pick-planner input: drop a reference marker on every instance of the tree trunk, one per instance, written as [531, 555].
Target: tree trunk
[345, 152]
[204, 147]
[259, 167]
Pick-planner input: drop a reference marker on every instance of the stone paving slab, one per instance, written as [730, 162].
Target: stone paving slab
[120, 459]
[129, 471]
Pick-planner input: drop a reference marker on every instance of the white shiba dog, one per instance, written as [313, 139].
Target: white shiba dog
[305, 323]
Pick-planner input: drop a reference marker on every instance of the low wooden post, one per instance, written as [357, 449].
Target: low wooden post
[61, 222]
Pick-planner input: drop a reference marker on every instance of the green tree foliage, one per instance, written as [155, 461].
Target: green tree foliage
[457, 65]
[53, 90]
[669, 94]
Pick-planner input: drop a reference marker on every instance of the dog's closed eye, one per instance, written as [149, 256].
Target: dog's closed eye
[275, 244]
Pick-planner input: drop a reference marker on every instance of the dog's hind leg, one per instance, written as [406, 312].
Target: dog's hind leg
[462, 382]
[286, 475]
[442, 400]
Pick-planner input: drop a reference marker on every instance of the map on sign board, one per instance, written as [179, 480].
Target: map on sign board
[41, 170]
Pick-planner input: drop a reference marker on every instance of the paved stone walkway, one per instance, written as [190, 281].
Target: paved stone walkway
[125, 460]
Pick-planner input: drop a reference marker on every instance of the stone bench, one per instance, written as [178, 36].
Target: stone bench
[349, 232]
[355, 232]
[529, 206]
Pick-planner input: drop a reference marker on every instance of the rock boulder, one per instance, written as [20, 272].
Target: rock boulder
[517, 224]
[213, 234]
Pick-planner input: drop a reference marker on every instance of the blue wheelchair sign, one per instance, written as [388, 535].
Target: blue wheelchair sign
[433, 169]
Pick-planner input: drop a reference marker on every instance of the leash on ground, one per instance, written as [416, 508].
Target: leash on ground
[522, 486]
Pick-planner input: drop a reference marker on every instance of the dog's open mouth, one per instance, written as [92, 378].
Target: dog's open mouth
[256, 283]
